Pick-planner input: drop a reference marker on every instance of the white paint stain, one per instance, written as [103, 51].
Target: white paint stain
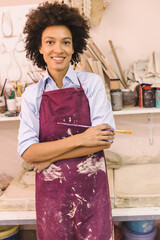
[80, 198]
[91, 165]
[69, 132]
[73, 210]
[70, 119]
[79, 223]
[58, 217]
[52, 172]
[67, 166]
[87, 238]
[88, 205]
[90, 230]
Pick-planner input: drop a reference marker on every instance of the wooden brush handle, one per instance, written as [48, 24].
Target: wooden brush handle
[123, 131]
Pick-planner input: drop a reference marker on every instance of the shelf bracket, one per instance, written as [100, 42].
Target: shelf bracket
[150, 121]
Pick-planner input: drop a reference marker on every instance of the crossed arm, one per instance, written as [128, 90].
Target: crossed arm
[41, 155]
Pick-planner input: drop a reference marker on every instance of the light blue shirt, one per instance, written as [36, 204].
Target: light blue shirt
[100, 107]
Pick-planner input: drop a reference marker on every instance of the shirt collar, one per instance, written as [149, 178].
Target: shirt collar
[70, 75]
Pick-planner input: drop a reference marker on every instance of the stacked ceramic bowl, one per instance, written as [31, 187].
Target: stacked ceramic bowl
[139, 230]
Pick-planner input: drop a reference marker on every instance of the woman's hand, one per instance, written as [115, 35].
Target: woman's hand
[96, 136]
[40, 166]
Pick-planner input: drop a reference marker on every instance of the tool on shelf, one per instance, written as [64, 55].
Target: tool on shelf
[124, 83]
[3, 87]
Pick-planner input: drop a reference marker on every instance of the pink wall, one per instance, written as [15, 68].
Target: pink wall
[18, 2]
[133, 28]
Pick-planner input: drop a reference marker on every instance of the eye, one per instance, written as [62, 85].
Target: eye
[67, 42]
[49, 42]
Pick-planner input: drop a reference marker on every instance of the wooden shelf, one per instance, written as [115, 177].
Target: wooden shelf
[17, 217]
[136, 110]
[119, 214]
[6, 119]
[124, 111]
[136, 214]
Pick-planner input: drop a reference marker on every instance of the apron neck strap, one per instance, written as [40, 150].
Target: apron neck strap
[79, 82]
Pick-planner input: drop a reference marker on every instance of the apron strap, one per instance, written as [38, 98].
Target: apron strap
[79, 82]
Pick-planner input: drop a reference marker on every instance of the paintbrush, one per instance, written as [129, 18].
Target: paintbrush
[3, 87]
[122, 131]
[84, 126]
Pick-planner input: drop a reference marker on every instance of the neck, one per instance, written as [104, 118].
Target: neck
[58, 77]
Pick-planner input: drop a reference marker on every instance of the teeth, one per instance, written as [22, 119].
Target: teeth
[57, 58]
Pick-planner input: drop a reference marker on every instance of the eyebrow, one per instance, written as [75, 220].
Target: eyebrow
[55, 38]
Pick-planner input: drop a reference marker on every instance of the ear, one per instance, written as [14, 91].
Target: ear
[40, 50]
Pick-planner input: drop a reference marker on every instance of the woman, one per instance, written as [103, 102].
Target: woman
[72, 195]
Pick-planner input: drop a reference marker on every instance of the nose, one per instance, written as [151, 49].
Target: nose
[57, 48]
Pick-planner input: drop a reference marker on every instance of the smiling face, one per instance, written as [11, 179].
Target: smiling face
[57, 49]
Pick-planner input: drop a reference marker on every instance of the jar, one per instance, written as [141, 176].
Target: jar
[157, 97]
[115, 83]
[148, 96]
[11, 105]
[116, 99]
[129, 97]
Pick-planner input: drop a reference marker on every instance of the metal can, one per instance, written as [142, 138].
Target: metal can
[116, 99]
[148, 96]
[157, 97]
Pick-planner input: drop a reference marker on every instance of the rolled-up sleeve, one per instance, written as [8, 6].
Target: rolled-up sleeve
[29, 123]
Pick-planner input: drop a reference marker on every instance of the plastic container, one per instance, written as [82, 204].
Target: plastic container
[140, 226]
[130, 235]
[9, 232]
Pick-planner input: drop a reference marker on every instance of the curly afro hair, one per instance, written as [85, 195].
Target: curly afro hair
[48, 14]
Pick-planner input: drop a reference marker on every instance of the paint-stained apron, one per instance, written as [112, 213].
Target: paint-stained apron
[72, 195]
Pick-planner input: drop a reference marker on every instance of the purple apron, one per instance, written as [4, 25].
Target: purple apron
[72, 195]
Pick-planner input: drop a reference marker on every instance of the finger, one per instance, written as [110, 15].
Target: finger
[106, 135]
[35, 169]
[31, 164]
[104, 127]
[105, 143]
[106, 132]
[106, 138]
